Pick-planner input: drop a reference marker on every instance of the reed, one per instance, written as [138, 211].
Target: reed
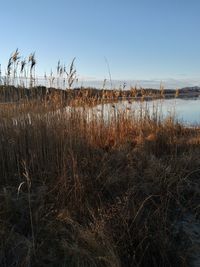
[98, 190]
[86, 184]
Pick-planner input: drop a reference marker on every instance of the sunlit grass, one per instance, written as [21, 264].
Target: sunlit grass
[81, 189]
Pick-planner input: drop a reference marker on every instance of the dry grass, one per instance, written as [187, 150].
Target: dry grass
[79, 190]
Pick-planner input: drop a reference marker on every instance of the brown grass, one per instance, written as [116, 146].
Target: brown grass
[77, 190]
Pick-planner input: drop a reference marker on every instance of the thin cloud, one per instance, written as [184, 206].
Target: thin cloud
[150, 83]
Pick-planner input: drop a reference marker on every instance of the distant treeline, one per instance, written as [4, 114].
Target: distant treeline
[10, 93]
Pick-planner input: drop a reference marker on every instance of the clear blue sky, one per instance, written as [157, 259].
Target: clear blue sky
[142, 39]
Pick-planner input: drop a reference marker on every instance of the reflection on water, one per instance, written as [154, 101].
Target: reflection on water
[185, 110]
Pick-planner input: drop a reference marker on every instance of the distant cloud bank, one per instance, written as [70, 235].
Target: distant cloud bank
[154, 83]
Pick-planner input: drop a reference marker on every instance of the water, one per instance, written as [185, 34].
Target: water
[185, 110]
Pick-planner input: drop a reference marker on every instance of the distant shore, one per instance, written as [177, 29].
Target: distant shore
[10, 93]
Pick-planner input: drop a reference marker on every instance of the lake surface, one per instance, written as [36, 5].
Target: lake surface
[184, 110]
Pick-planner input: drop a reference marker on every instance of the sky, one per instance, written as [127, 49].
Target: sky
[143, 41]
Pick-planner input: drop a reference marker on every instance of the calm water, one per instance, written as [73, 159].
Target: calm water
[185, 110]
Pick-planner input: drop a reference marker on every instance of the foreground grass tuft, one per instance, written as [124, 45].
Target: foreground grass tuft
[77, 190]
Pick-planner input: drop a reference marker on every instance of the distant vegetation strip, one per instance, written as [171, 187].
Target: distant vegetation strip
[10, 93]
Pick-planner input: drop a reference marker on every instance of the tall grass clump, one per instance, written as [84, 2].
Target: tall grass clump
[79, 188]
